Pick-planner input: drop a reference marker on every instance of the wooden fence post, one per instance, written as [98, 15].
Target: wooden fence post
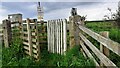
[103, 49]
[57, 36]
[71, 30]
[7, 33]
[48, 35]
[53, 36]
[77, 19]
[65, 35]
[37, 40]
[74, 30]
[29, 37]
[61, 33]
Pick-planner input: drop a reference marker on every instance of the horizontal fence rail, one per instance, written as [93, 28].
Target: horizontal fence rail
[100, 55]
[1, 32]
[113, 46]
[79, 33]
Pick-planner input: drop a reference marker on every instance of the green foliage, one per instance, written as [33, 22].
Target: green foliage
[73, 57]
[106, 26]
[14, 56]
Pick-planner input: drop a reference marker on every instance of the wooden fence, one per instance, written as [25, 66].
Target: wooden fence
[88, 47]
[8, 31]
[31, 38]
[57, 39]
[7, 34]
[32, 35]
[1, 35]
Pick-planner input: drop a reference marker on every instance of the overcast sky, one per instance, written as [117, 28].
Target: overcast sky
[55, 10]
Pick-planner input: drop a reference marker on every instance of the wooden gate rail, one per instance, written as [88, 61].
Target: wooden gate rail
[32, 49]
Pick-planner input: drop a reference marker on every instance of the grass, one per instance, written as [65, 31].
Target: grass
[114, 32]
[73, 57]
[14, 56]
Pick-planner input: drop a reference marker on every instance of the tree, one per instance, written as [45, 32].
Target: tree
[118, 15]
[111, 16]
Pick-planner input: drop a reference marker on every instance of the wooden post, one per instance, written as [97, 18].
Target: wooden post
[61, 36]
[57, 36]
[48, 31]
[71, 27]
[37, 41]
[53, 36]
[65, 35]
[20, 27]
[74, 30]
[49, 37]
[103, 49]
[77, 19]
[7, 34]
[29, 37]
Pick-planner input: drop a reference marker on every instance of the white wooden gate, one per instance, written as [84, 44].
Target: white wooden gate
[57, 36]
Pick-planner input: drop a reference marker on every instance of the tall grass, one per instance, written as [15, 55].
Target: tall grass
[73, 57]
[114, 32]
[14, 56]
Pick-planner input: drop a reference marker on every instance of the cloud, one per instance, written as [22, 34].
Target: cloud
[94, 11]
[2, 13]
[62, 5]
[57, 14]
[97, 12]
[56, 10]
[28, 9]
[60, 0]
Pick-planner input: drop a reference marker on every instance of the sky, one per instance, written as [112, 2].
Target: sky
[95, 10]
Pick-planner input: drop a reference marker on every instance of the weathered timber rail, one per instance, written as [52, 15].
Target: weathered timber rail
[87, 46]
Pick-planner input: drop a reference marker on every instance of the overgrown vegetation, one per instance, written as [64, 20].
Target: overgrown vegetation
[73, 57]
[14, 56]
